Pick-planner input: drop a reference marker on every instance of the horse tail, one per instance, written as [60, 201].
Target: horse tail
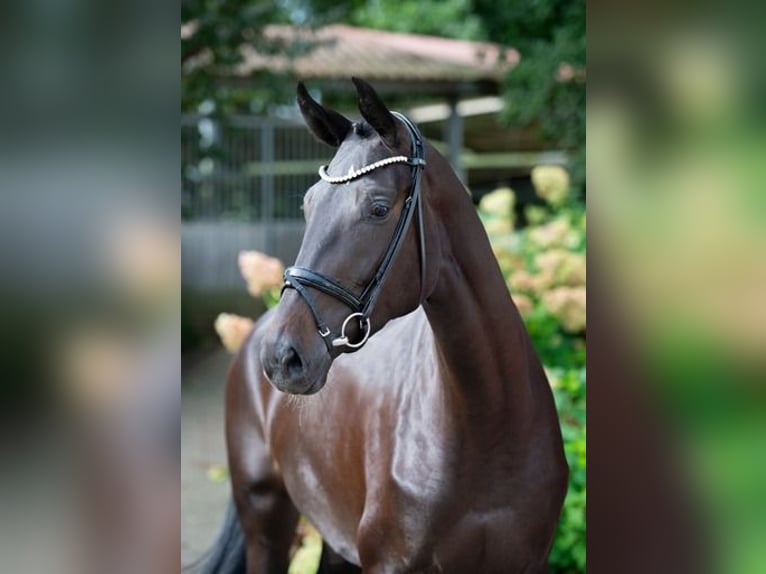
[227, 555]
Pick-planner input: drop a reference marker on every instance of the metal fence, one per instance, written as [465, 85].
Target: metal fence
[243, 182]
[247, 168]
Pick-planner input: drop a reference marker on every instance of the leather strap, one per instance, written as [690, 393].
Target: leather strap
[371, 293]
[325, 284]
[324, 330]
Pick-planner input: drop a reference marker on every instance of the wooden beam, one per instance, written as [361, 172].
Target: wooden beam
[454, 137]
[517, 159]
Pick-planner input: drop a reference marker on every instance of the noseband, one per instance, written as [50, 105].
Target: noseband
[300, 278]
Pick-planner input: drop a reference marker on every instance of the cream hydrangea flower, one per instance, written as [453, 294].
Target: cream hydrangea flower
[573, 272]
[498, 203]
[498, 227]
[233, 329]
[522, 281]
[551, 183]
[260, 271]
[556, 233]
[523, 303]
[567, 304]
[507, 259]
[560, 267]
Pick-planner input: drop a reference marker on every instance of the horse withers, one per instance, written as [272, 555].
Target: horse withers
[393, 397]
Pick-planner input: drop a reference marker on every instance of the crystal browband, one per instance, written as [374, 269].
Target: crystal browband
[356, 173]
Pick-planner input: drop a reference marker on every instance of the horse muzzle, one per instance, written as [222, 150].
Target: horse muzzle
[292, 369]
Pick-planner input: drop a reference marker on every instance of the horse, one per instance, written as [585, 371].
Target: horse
[393, 396]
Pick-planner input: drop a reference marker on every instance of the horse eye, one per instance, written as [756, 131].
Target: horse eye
[379, 210]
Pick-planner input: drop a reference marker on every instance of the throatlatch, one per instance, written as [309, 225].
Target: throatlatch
[300, 278]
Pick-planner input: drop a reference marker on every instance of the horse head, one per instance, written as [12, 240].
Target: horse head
[362, 259]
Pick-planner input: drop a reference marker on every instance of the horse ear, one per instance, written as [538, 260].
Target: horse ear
[376, 113]
[327, 125]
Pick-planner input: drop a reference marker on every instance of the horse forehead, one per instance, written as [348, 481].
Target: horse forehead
[356, 152]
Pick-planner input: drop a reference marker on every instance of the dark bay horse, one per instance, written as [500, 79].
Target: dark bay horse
[430, 440]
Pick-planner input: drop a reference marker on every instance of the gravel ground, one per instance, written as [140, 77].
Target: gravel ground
[204, 485]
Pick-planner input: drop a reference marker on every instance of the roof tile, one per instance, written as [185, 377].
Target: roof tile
[341, 51]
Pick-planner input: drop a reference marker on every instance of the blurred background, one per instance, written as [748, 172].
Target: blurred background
[497, 87]
[677, 417]
[89, 287]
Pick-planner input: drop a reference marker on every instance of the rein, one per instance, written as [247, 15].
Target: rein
[301, 278]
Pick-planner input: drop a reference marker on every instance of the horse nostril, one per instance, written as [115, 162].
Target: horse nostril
[291, 363]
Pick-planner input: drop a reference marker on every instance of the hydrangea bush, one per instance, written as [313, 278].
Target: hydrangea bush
[544, 267]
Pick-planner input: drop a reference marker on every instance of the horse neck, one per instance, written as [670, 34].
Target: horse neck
[484, 353]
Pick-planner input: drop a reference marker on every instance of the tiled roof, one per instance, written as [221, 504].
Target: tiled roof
[340, 51]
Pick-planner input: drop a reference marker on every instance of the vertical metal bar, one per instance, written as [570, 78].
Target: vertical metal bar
[267, 182]
[454, 137]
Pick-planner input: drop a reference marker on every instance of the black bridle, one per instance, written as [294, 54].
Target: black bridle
[301, 278]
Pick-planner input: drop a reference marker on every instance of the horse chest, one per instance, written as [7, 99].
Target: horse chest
[346, 461]
[380, 453]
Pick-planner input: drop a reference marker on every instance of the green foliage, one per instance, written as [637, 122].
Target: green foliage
[568, 552]
[271, 297]
[450, 18]
[553, 345]
[547, 87]
[213, 34]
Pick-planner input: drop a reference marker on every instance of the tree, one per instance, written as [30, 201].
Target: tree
[547, 88]
[449, 18]
[212, 35]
